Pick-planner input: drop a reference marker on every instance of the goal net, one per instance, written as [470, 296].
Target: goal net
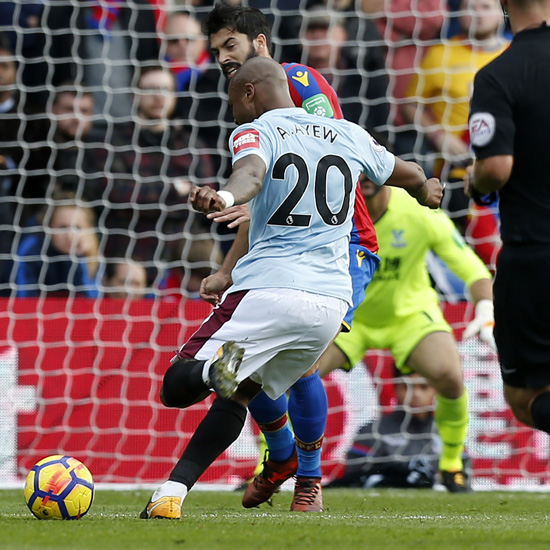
[91, 185]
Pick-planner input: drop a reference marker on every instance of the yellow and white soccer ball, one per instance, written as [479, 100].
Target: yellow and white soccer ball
[59, 487]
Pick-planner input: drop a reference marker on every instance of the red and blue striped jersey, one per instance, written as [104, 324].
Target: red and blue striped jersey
[310, 90]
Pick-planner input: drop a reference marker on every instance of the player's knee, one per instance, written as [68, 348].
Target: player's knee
[540, 411]
[525, 404]
[448, 381]
[182, 385]
[522, 413]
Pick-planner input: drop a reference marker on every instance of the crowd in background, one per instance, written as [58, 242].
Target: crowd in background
[110, 111]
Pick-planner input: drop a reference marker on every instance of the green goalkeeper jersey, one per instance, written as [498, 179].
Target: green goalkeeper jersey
[401, 285]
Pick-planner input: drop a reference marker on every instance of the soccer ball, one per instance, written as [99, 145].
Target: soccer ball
[59, 487]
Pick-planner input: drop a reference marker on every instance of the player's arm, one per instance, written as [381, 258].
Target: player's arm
[449, 245]
[384, 168]
[242, 186]
[213, 286]
[411, 177]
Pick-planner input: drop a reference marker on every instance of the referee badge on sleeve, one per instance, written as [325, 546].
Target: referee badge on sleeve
[482, 128]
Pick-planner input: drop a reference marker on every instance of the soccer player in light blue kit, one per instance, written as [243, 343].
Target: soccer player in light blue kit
[299, 173]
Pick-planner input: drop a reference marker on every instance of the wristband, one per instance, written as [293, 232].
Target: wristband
[227, 197]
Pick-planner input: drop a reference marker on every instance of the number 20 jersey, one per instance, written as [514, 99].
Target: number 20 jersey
[301, 219]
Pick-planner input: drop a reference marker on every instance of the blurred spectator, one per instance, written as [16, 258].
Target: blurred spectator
[200, 86]
[186, 48]
[192, 262]
[60, 257]
[149, 165]
[28, 41]
[70, 136]
[23, 132]
[361, 96]
[126, 280]
[8, 99]
[407, 28]
[64, 161]
[23, 128]
[440, 94]
[98, 44]
[399, 449]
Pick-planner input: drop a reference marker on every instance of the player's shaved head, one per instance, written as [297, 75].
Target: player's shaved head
[260, 85]
[261, 71]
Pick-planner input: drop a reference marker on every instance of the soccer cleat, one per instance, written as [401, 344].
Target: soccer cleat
[223, 370]
[308, 495]
[456, 482]
[163, 508]
[267, 483]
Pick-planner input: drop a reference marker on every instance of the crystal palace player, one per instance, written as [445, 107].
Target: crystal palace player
[509, 129]
[291, 290]
[237, 33]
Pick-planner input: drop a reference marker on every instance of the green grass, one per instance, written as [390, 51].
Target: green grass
[385, 519]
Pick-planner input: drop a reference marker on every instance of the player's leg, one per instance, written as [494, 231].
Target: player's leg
[308, 410]
[261, 362]
[436, 358]
[309, 406]
[333, 358]
[203, 364]
[530, 406]
[308, 403]
[219, 428]
[189, 381]
[281, 462]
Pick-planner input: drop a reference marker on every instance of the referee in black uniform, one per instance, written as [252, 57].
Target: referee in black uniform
[510, 134]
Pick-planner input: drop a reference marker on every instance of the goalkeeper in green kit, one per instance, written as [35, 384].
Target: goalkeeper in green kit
[401, 312]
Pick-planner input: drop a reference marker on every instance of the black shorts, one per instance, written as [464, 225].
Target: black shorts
[522, 315]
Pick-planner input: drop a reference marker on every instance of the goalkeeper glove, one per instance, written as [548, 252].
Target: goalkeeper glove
[482, 324]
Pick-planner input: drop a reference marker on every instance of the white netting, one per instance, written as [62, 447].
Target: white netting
[80, 372]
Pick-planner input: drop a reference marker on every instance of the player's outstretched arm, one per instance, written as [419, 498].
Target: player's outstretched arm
[411, 177]
[243, 185]
[213, 286]
[483, 323]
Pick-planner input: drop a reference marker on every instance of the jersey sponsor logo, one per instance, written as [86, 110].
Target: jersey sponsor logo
[246, 139]
[482, 128]
[302, 77]
[318, 104]
[398, 241]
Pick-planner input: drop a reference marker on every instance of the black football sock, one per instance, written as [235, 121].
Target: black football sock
[183, 384]
[540, 412]
[220, 427]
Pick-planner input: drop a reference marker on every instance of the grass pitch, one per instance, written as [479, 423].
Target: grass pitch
[353, 519]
